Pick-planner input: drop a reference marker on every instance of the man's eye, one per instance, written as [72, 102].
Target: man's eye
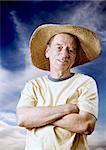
[70, 50]
[59, 47]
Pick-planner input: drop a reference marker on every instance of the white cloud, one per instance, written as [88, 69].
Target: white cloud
[21, 37]
[98, 137]
[4, 117]
[20, 28]
[12, 83]
[12, 138]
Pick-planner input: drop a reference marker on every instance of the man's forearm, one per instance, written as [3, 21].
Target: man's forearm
[31, 117]
[77, 123]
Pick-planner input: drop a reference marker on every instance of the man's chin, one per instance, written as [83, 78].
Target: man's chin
[62, 67]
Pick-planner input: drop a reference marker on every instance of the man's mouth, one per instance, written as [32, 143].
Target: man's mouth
[62, 61]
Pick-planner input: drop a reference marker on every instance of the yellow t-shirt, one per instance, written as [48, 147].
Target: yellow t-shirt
[79, 89]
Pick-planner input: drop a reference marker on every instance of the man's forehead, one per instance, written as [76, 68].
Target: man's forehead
[63, 37]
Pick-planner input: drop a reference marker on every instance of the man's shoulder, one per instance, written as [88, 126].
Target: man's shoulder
[84, 78]
[36, 80]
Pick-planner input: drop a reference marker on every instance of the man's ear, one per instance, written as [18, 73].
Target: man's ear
[47, 51]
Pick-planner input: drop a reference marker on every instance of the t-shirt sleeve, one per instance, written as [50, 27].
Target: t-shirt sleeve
[28, 96]
[88, 99]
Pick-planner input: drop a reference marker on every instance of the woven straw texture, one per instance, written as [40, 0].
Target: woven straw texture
[89, 44]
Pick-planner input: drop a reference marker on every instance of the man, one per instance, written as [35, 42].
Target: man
[61, 109]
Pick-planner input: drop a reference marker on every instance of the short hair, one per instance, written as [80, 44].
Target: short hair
[75, 37]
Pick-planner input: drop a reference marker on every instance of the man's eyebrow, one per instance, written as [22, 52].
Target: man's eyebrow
[58, 44]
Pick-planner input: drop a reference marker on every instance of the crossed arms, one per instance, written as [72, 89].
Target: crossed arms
[66, 116]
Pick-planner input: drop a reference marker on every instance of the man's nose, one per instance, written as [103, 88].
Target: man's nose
[65, 52]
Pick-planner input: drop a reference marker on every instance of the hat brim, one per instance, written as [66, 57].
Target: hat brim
[89, 44]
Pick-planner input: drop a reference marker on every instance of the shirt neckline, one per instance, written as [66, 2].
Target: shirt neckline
[58, 80]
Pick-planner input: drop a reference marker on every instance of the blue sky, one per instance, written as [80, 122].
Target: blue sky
[19, 19]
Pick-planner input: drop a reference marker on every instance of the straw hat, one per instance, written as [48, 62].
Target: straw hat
[89, 43]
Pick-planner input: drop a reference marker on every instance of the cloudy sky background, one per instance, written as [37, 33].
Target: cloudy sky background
[18, 20]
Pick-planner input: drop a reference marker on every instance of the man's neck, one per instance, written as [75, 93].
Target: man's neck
[59, 74]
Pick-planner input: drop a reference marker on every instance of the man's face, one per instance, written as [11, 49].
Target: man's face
[62, 51]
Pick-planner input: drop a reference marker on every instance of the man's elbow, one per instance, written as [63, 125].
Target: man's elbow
[88, 128]
[20, 121]
[19, 118]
